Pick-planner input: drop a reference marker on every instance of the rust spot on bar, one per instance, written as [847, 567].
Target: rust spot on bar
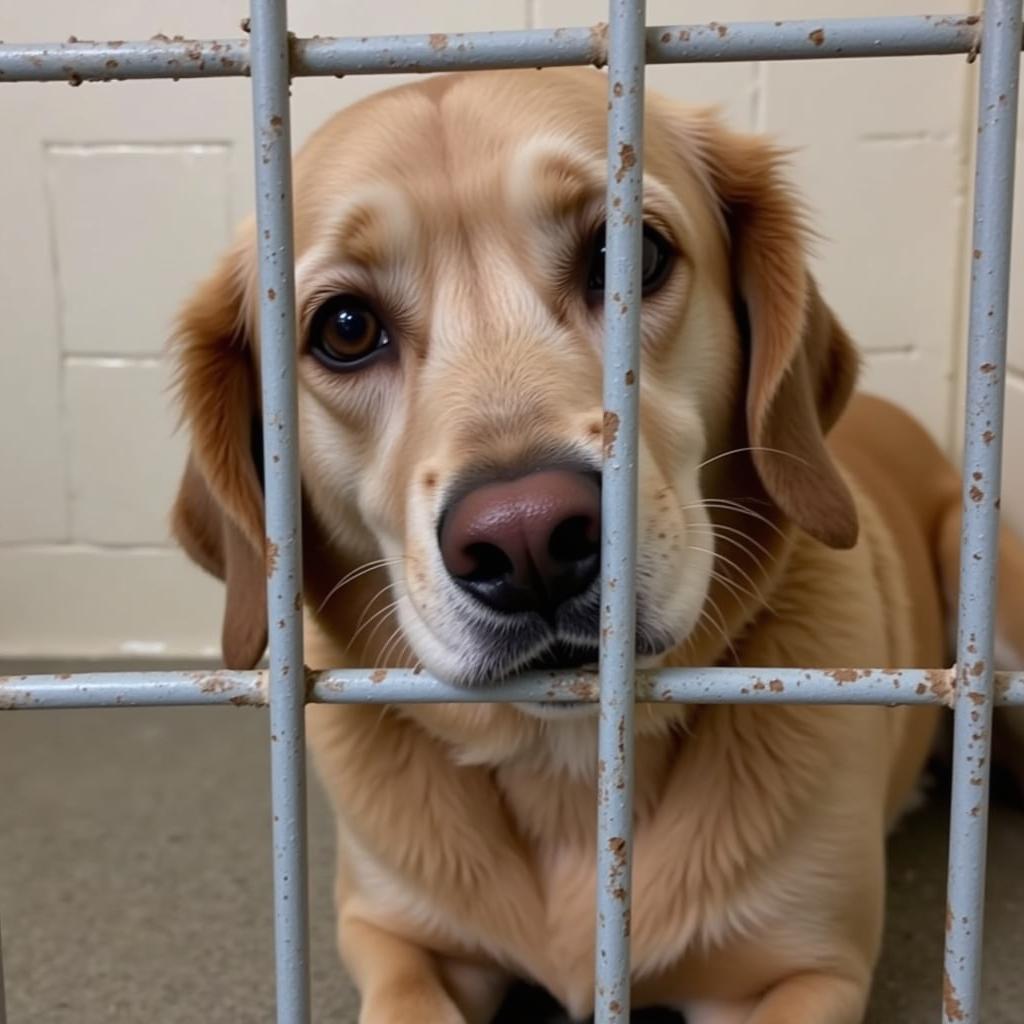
[611, 432]
[297, 603]
[987, 367]
[378, 675]
[438, 41]
[977, 494]
[988, 437]
[684, 35]
[630, 377]
[776, 685]
[617, 845]
[271, 557]
[941, 684]
[271, 294]
[627, 159]
[950, 1002]
[214, 684]
[844, 675]
[817, 37]
[666, 37]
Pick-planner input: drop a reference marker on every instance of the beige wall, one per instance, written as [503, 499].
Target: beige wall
[117, 196]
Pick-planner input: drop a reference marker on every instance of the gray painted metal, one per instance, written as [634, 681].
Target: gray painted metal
[982, 469]
[404, 686]
[623, 301]
[273, 160]
[714, 42]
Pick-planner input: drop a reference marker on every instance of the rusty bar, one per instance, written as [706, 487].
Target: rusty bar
[624, 219]
[982, 470]
[273, 159]
[714, 42]
[401, 686]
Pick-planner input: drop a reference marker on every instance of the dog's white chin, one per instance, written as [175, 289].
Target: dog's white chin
[558, 710]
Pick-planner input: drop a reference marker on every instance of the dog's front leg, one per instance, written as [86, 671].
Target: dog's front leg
[815, 997]
[401, 983]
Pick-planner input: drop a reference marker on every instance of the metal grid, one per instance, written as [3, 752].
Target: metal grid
[625, 45]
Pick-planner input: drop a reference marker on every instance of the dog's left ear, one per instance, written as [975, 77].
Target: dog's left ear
[218, 513]
[802, 366]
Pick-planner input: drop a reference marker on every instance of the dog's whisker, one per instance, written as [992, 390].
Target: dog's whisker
[724, 504]
[753, 591]
[380, 617]
[369, 604]
[753, 448]
[361, 570]
[382, 660]
[717, 529]
[722, 626]
[735, 587]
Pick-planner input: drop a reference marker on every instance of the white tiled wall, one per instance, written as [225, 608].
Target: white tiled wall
[116, 198]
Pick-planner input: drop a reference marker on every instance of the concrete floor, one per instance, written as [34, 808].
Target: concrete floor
[135, 881]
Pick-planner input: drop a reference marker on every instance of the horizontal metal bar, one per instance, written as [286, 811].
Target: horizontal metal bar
[713, 42]
[405, 686]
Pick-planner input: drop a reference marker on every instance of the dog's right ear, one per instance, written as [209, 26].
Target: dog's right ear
[218, 514]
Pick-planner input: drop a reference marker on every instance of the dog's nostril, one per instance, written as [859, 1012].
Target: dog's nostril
[575, 539]
[528, 544]
[489, 562]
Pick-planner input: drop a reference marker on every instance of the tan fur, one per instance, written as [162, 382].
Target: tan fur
[466, 837]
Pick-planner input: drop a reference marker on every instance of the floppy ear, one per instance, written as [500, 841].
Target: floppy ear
[802, 365]
[218, 513]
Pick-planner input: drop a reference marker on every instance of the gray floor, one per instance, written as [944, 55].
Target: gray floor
[135, 880]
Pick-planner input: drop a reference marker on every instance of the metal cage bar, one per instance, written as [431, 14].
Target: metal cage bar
[273, 159]
[713, 42]
[271, 57]
[622, 303]
[982, 469]
[892, 687]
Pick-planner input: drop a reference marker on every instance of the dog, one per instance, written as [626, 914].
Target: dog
[449, 266]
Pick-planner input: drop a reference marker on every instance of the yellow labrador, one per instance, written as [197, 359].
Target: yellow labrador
[450, 283]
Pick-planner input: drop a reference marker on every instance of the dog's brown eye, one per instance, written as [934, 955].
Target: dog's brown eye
[657, 257]
[346, 333]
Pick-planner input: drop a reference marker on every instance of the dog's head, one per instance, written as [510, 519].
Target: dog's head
[449, 268]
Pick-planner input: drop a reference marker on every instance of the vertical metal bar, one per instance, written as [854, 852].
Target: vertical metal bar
[622, 305]
[986, 361]
[272, 137]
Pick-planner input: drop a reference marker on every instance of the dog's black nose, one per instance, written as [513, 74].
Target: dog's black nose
[528, 544]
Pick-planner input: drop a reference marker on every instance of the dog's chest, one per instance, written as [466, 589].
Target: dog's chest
[558, 823]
